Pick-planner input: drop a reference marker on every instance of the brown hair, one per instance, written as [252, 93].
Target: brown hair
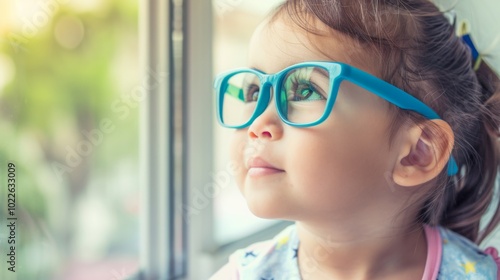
[419, 52]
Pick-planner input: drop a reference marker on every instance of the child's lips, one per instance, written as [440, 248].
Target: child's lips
[257, 166]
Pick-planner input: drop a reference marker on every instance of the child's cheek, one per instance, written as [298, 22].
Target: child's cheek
[237, 156]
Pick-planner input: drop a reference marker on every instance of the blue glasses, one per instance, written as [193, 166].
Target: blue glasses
[304, 94]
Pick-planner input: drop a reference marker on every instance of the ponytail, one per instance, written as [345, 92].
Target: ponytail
[482, 175]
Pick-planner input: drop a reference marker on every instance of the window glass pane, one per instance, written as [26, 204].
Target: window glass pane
[234, 24]
[69, 98]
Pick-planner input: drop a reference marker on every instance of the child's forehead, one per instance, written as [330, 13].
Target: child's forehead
[281, 41]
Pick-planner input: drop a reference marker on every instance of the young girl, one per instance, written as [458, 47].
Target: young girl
[377, 133]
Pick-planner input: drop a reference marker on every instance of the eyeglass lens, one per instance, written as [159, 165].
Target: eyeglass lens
[302, 95]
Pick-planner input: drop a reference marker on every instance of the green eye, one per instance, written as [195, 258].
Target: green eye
[299, 86]
[304, 91]
[252, 93]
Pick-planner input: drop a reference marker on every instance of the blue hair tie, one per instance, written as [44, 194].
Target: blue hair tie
[464, 33]
[475, 54]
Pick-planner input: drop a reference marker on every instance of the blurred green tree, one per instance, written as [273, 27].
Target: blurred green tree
[66, 84]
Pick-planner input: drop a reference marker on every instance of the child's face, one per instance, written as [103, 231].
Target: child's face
[336, 169]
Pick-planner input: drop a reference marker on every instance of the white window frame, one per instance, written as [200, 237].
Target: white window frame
[155, 142]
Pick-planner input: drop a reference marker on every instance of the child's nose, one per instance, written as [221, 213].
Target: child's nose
[267, 125]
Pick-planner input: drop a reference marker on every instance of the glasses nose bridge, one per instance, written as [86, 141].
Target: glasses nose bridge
[267, 88]
[268, 85]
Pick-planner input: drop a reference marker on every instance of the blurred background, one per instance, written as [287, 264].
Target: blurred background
[68, 122]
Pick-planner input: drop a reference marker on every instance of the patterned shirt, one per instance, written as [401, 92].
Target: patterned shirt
[449, 257]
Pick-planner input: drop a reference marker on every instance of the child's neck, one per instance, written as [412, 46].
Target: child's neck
[340, 253]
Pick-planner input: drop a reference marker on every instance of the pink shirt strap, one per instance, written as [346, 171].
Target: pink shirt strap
[494, 253]
[432, 264]
[434, 252]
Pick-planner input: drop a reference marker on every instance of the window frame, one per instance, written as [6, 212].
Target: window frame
[156, 142]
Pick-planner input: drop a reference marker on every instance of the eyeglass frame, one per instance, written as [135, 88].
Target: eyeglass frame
[338, 72]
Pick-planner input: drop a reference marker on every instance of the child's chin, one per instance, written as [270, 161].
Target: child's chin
[266, 211]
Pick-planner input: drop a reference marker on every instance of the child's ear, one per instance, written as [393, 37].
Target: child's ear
[424, 153]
